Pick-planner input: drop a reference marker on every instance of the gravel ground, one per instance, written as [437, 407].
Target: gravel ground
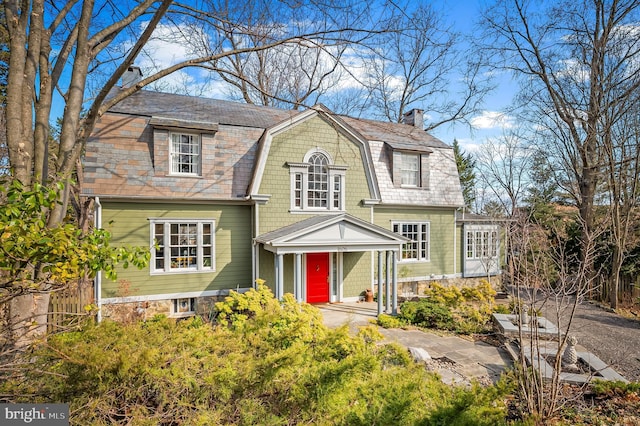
[612, 338]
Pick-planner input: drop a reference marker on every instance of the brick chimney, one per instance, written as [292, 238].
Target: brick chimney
[131, 76]
[414, 118]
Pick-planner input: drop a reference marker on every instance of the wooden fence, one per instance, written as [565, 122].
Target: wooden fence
[68, 306]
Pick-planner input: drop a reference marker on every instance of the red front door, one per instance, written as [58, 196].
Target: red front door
[317, 277]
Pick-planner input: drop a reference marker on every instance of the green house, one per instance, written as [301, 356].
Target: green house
[319, 205]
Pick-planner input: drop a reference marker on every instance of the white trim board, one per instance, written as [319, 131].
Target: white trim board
[169, 296]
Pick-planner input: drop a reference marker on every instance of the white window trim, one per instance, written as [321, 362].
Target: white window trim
[492, 244]
[303, 170]
[170, 153]
[190, 313]
[167, 252]
[415, 222]
[418, 172]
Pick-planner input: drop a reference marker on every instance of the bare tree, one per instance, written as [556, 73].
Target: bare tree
[544, 280]
[422, 63]
[578, 61]
[622, 156]
[502, 165]
[81, 48]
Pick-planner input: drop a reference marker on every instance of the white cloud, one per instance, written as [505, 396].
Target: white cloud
[492, 120]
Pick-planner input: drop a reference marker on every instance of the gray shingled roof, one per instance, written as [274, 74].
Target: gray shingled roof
[294, 227]
[397, 135]
[444, 183]
[192, 108]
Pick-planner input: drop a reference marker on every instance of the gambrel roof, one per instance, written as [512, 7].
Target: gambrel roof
[125, 169]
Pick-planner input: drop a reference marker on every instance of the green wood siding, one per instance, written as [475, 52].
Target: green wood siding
[129, 225]
[291, 146]
[357, 273]
[441, 241]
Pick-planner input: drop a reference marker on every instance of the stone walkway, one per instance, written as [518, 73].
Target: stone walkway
[457, 360]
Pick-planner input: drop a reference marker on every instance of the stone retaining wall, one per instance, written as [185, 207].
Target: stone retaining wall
[135, 311]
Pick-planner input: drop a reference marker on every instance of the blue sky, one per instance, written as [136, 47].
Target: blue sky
[463, 16]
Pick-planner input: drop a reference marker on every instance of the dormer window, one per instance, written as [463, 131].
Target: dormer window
[316, 183]
[184, 153]
[410, 169]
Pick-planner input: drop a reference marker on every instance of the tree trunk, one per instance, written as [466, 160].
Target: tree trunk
[26, 318]
[614, 279]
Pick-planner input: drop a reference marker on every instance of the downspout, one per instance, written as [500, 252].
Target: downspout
[98, 279]
[455, 240]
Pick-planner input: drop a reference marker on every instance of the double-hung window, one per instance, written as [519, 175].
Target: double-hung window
[182, 245]
[410, 169]
[317, 184]
[184, 153]
[418, 232]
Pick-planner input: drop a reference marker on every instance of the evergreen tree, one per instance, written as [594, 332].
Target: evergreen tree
[543, 190]
[466, 169]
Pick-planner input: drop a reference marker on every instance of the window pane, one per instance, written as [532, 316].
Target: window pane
[418, 247]
[337, 191]
[494, 244]
[184, 249]
[187, 246]
[185, 153]
[318, 185]
[158, 240]
[410, 169]
[186, 305]
[297, 195]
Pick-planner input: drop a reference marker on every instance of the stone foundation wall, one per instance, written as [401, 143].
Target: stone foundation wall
[136, 311]
[417, 288]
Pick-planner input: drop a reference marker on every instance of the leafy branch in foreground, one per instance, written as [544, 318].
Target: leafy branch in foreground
[36, 259]
[33, 254]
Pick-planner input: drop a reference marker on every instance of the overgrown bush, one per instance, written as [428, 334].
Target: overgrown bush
[427, 313]
[266, 362]
[464, 310]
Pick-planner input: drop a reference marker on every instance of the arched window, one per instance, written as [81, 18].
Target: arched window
[316, 183]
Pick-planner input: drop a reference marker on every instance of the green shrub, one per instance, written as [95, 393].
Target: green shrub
[464, 310]
[390, 321]
[427, 313]
[267, 362]
[502, 309]
[615, 387]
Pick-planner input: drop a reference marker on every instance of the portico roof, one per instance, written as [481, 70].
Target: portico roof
[334, 233]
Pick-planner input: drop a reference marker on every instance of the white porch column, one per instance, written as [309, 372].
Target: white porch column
[298, 277]
[387, 284]
[379, 282]
[394, 298]
[279, 269]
